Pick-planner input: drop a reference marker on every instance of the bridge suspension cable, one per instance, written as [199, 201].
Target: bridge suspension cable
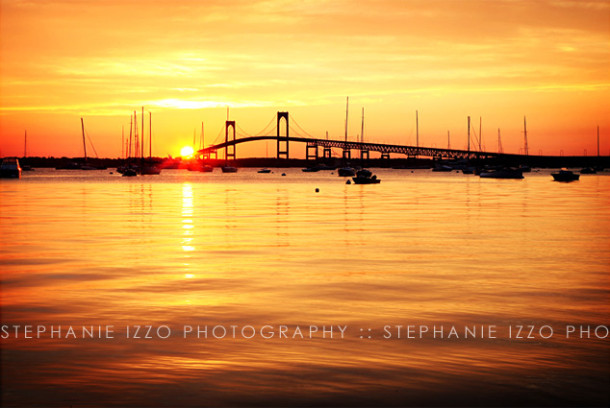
[241, 132]
[218, 138]
[268, 127]
[300, 128]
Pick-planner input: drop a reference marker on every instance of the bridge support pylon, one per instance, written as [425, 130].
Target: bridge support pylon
[230, 149]
[385, 156]
[282, 141]
[309, 154]
[208, 155]
[364, 155]
[347, 155]
[327, 154]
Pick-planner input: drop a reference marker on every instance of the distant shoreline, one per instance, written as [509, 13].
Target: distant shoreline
[516, 160]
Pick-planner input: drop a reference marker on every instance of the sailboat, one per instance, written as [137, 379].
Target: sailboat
[81, 165]
[149, 168]
[25, 167]
[346, 170]
[128, 170]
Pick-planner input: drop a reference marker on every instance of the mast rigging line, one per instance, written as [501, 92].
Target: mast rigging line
[91, 143]
[475, 135]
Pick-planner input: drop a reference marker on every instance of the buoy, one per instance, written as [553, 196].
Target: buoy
[317, 190]
[348, 182]
[283, 174]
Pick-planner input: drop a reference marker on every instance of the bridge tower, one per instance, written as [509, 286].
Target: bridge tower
[327, 154]
[230, 149]
[311, 151]
[282, 141]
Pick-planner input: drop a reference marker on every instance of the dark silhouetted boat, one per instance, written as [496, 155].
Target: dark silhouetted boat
[347, 172]
[150, 169]
[442, 168]
[229, 169]
[588, 170]
[206, 169]
[10, 168]
[264, 171]
[365, 176]
[318, 167]
[507, 173]
[565, 175]
[129, 172]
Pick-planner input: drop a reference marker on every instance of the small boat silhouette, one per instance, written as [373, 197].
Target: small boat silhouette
[565, 175]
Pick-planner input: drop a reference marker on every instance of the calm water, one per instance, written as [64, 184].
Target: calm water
[266, 252]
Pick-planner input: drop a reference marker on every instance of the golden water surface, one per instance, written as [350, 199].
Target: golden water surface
[260, 254]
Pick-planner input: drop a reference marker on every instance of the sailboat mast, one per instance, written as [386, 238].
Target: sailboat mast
[500, 149]
[130, 133]
[597, 140]
[135, 134]
[448, 140]
[142, 155]
[346, 113]
[150, 135]
[122, 142]
[82, 124]
[202, 144]
[480, 133]
[25, 144]
[525, 148]
[362, 129]
[468, 134]
[416, 129]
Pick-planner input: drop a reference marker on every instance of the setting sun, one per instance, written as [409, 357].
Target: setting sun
[187, 151]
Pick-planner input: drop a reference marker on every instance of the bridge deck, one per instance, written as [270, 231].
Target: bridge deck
[366, 146]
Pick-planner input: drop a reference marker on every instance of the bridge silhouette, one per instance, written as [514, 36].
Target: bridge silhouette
[313, 146]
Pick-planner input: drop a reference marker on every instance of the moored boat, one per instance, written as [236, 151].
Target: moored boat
[506, 173]
[129, 172]
[365, 176]
[565, 175]
[10, 168]
[442, 168]
[264, 171]
[346, 172]
[229, 169]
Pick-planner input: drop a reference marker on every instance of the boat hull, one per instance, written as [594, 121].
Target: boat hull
[10, 169]
[565, 177]
[358, 180]
[502, 174]
[346, 172]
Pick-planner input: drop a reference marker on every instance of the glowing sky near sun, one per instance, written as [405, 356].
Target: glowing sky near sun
[186, 61]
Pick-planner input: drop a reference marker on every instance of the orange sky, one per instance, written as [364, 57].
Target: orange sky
[185, 61]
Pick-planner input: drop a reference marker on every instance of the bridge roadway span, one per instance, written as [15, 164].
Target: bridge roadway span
[410, 151]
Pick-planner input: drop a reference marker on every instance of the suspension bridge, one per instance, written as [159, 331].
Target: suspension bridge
[313, 145]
